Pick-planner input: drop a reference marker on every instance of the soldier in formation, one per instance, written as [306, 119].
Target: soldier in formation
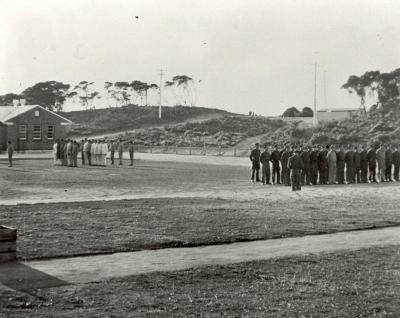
[326, 164]
[93, 152]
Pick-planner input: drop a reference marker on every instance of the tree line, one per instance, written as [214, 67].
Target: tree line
[384, 86]
[53, 94]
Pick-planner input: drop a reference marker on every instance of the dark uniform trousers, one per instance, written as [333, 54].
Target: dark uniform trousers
[356, 174]
[314, 172]
[112, 154]
[296, 179]
[321, 170]
[340, 172]
[285, 174]
[255, 171]
[364, 172]
[396, 172]
[306, 174]
[266, 173]
[372, 172]
[349, 173]
[388, 173]
[276, 172]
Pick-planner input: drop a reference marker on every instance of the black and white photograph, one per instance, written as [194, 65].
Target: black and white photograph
[213, 158]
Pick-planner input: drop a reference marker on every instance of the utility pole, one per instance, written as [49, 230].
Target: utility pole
[161, 85]
[315, 119]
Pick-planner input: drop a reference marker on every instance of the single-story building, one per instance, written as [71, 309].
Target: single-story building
[30, 127]
[337, 113]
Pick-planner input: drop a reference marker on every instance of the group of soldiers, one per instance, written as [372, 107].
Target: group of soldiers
[312, 165]
[92, 152]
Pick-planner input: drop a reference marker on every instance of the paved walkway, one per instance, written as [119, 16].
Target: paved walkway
[101, 267]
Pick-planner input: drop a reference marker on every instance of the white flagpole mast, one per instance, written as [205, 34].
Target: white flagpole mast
[315, 119]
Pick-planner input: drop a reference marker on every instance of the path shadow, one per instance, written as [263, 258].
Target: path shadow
[23, 278]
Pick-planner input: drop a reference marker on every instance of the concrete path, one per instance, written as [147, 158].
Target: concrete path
[101, 267]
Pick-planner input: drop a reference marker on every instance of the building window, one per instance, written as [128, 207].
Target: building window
[36, 113]
[50, 132]
[22, 132]
[37, 133]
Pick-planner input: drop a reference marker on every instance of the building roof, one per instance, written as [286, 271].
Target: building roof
[332, 110]
[9, 112]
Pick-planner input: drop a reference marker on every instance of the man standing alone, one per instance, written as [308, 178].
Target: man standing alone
[10, 152]
[295, 166]
[131, 152]
[120, 151]
[255, 156]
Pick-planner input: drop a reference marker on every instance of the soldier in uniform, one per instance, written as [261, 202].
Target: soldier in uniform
[295, 166]
[340, 158]
[120, 151]
[364, 164]
[314, 165]
[131, 152]
[332, 159]
[306, 172]
[371, 157]
[356, 166]
[10, 152]
[255, 157]
[388, 164]
[112, 151]
[381, 158]
[275, 158]
[69, 153]
[74, 153]
[265, 170]
[82, 151]
[65, 159]
[322, 163]
[396, 163]
[284, 161]
[349, 161]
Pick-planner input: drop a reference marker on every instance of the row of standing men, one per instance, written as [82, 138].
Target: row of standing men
[327, 165]
[92, 152]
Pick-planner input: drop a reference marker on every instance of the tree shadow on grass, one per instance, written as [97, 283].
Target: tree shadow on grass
[23, 278]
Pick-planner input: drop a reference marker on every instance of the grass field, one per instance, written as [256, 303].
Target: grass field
[203, 204]
[158, 204]
[363, 283]
[59, 229]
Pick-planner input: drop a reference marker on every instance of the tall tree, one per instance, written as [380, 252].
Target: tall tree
[291, 112]
[7, 99]
[85, 93]
[51, 95]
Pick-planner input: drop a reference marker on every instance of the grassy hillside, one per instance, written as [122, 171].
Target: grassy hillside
[110, 120]
[376, 126]
[225, 131]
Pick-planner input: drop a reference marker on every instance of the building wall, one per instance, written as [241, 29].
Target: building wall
[29, 120]
[3, 136]
[328, 116]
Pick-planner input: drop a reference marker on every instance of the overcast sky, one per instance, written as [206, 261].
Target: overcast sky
[249, 55]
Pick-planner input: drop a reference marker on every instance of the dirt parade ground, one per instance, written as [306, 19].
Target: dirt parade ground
[173, 206]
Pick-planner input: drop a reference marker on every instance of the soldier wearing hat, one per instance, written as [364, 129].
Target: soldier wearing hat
[364, 164]
[371, 157]
[396, 163]
[265, 171]
[255, 156]
[295, 166]
[340, 158]
[314, 165]
[306, 173]
[284, 161]
[275, 159]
